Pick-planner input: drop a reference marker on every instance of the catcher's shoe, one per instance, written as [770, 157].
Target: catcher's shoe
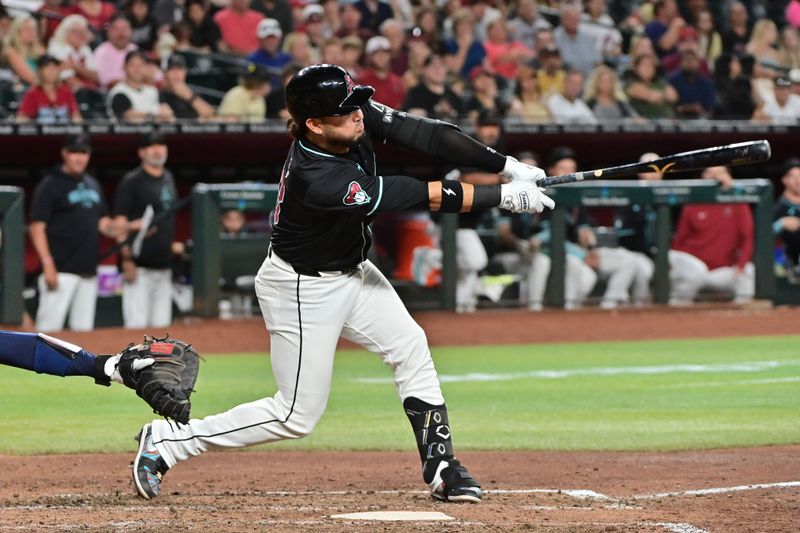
[148, 466]
[451, 481]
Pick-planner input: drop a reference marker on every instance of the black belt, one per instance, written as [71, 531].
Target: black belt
[305, 271]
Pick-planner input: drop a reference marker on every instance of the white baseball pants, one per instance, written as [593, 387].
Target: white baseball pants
[579, 278]
[628, 273]
[471, 258]
[305, 317]
[147, 301]
[75, 295]
[688, 274]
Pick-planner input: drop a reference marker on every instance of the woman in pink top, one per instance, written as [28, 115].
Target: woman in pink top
[504, 56]
[793, 14]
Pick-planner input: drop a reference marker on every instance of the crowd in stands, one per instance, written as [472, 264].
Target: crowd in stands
[535, 62]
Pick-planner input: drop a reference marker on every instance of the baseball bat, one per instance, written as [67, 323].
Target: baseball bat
[745, 153]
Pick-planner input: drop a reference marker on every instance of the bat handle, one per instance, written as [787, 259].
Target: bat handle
[558, 180]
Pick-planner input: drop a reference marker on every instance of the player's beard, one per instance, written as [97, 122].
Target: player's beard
[333, 139]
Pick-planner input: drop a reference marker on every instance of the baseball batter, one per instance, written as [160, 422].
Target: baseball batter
[316, 284]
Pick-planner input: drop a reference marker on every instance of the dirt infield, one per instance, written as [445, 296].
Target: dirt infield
[755, 489]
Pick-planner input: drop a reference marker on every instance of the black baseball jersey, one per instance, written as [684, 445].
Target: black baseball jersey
[136, 191]
[785, 208]
[71, 207]
[327, 201]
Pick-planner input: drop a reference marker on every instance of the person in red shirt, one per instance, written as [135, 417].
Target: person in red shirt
[388, 86]
[238, 24]
[50, 101]
[97, 12]
[713, 247]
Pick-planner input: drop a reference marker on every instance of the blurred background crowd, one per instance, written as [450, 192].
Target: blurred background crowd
[533, 62]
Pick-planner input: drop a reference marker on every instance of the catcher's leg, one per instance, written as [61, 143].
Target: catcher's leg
[402, 344]
[304, 315]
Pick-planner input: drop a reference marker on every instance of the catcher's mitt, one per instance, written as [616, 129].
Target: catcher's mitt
[167, 384]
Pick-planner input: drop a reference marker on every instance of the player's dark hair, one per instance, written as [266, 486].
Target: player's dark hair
[296, 130]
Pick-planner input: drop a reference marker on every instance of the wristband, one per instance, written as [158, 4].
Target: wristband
[485, 196]
[452, 197]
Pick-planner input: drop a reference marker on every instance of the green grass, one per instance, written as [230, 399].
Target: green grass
[588, 411]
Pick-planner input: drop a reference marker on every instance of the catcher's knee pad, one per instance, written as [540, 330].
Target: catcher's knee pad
[431, 429]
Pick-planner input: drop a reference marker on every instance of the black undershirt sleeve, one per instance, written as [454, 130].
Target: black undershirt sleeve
[432, 137]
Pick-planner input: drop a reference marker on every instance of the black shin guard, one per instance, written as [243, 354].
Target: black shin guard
[432, 431]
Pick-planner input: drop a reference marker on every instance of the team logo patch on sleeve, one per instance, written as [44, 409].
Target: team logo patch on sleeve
[356, 195]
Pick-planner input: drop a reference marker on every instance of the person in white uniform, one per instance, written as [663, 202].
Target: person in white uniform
[316, 284]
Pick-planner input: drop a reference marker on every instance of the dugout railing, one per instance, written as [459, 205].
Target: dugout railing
[12, 251]
[662, 197]
[215, 257]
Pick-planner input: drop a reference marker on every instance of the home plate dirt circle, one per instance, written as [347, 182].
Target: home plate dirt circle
[396, 516]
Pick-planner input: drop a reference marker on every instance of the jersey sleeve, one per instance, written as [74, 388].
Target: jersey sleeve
[346, 187]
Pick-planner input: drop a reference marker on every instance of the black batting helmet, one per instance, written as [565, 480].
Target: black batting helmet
[324, 91]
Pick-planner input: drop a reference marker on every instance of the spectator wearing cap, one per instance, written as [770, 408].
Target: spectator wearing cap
[463, 52]
[238, 24]
[578, 49]
[648, 92]
[280, 10]
[388, 86]
[568, 107]
[696, 97]
[664, 30]
[393, 30]
[528, 103]
[794, 77]
[70, 45]
[50, 101]
[526, 23]
[551, 74]
[689, 41]
[147, 273]
[485, 96]
[431, 97]
[109, 57]
[504, 55]
[97, 13]
[782, 106]
[205, 35]
[246, 102]
[22, 49]
[313, 25]
[373, 13]
[144, 29]
[184, 102]
[68, 214]
[133, 99]
[269, 53]
[787, 216]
